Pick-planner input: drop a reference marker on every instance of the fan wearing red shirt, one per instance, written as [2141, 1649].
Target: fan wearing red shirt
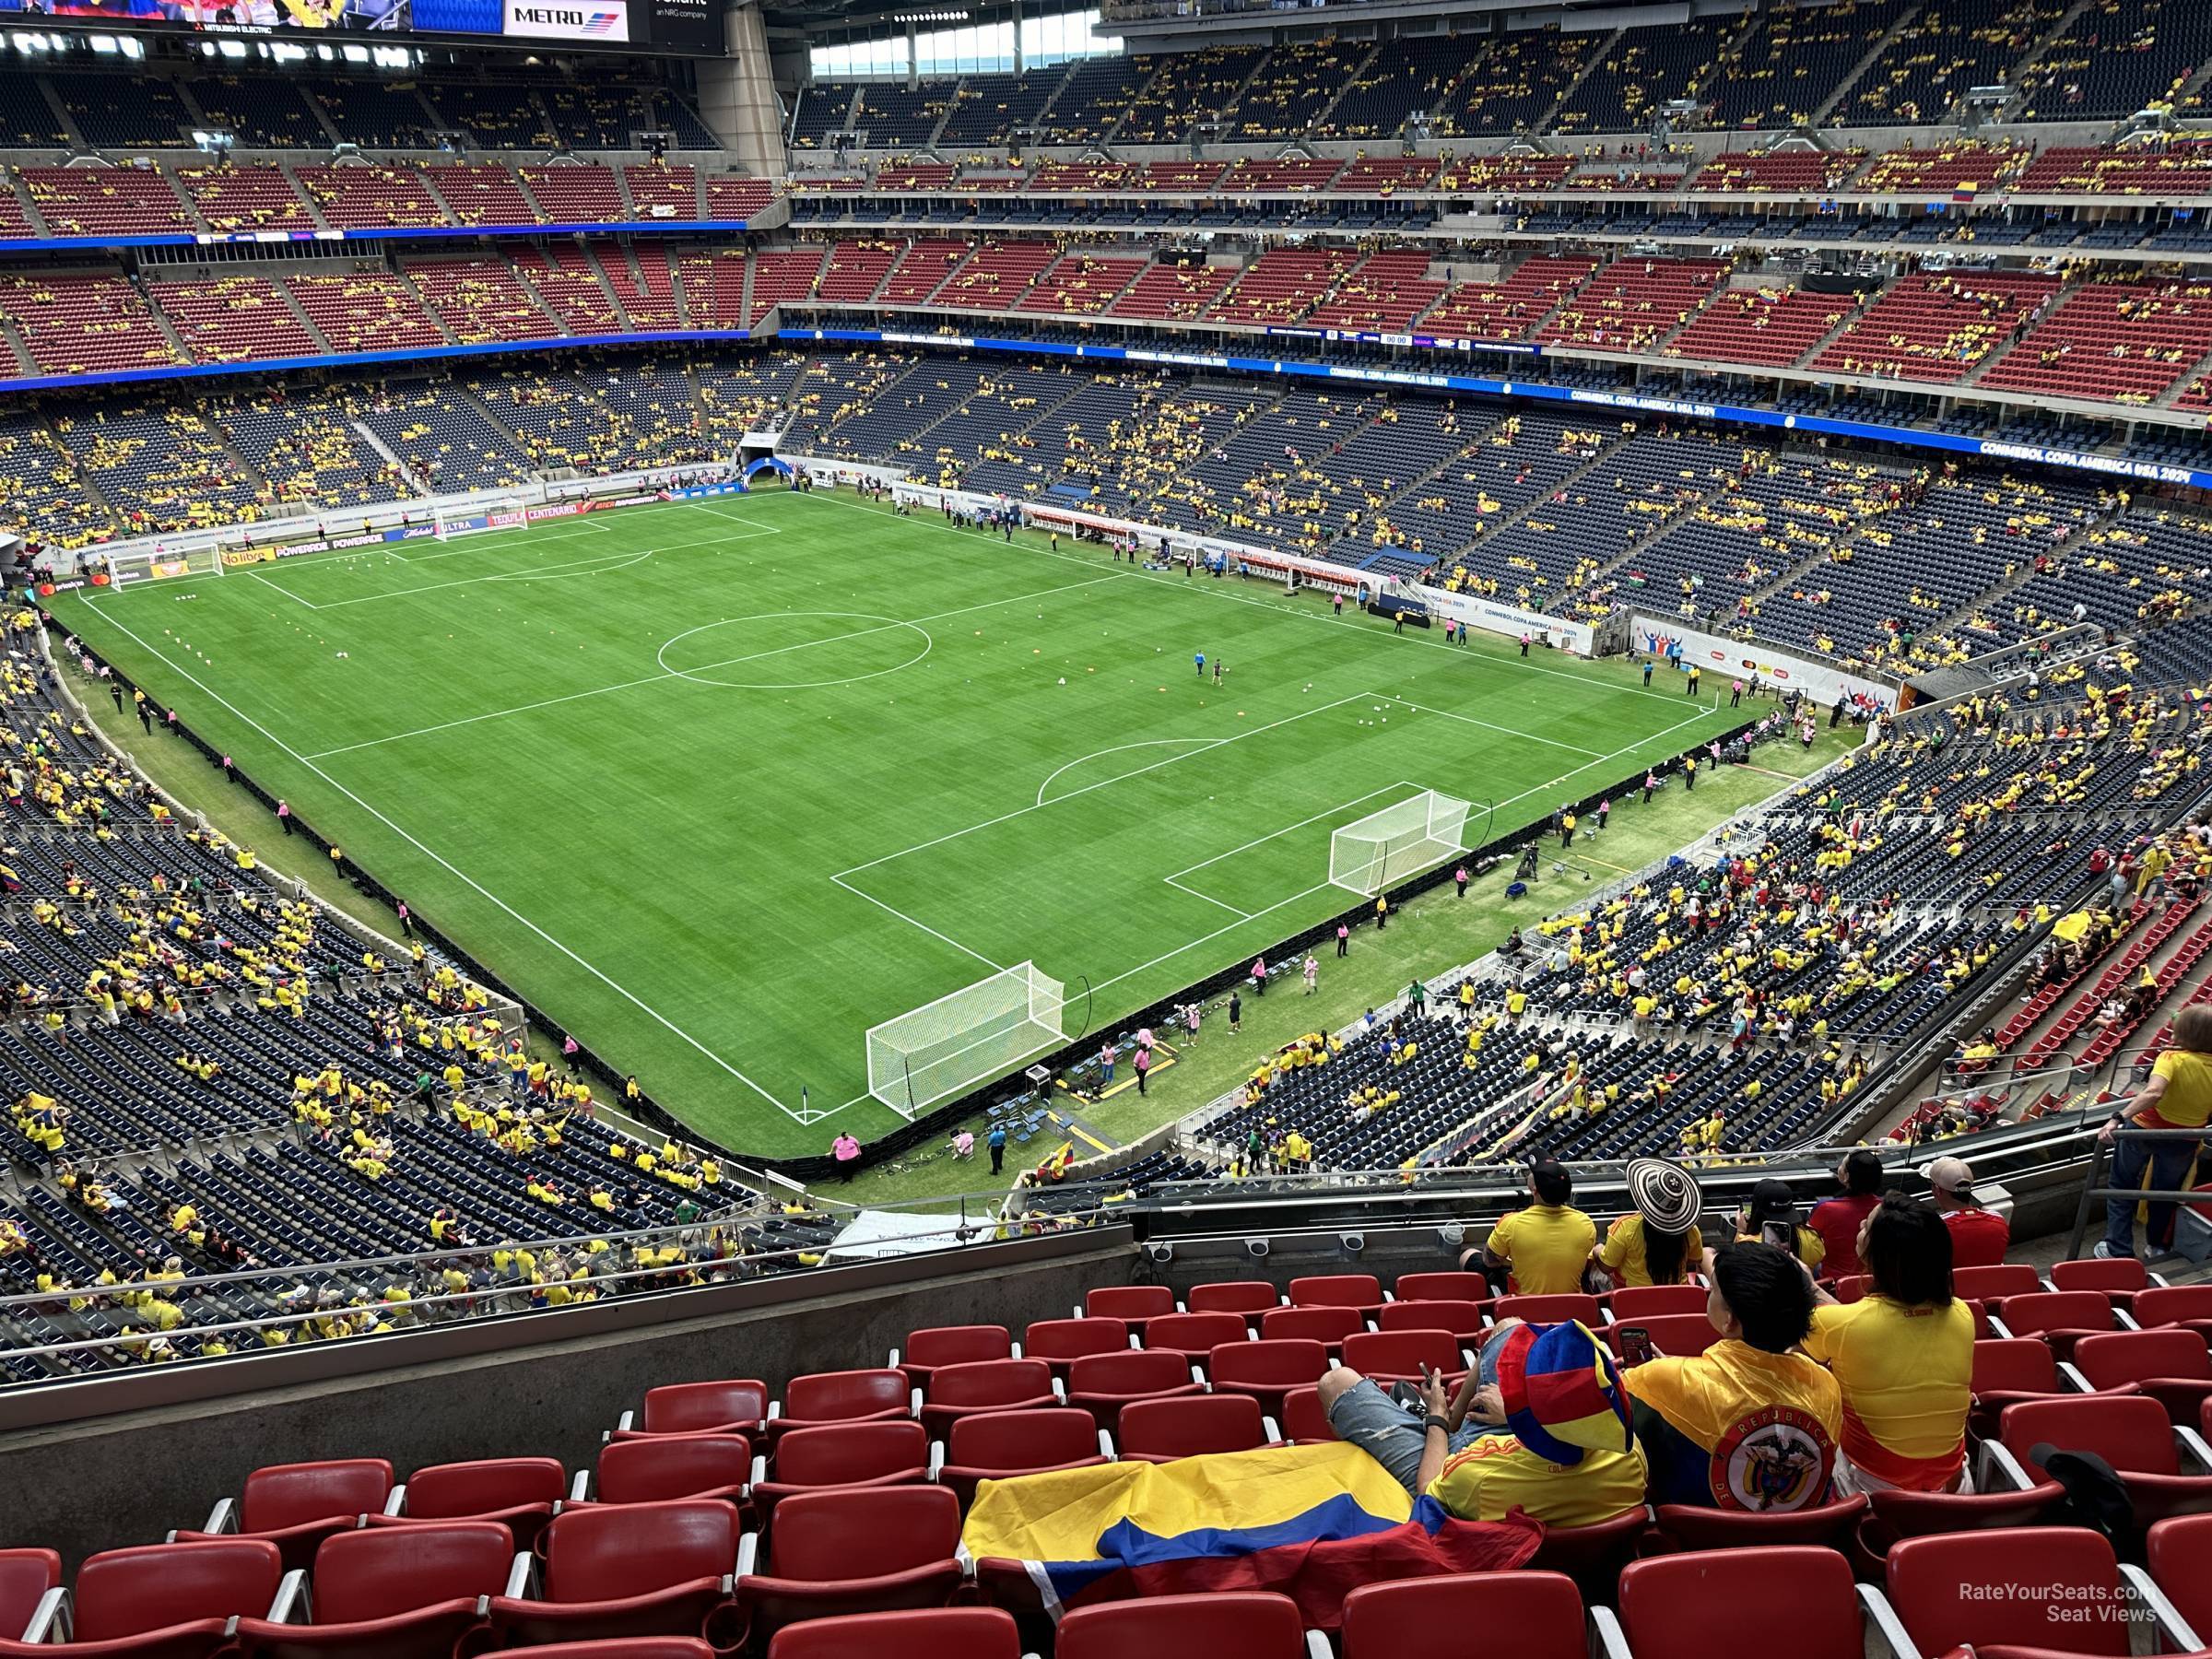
[1979, 1237]
[1838, 1220]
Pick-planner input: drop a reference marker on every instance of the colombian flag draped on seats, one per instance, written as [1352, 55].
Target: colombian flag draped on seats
[1313, 1522]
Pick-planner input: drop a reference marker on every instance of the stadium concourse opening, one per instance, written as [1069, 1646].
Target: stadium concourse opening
[808, 764]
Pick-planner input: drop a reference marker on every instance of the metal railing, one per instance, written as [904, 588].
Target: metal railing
[2095, 1192]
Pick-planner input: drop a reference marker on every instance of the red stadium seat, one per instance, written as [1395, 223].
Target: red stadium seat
[1547, 1309]
[2188, 1305]
[30, 1583]
[1527, 1614]
[1721, 1601]
[1134, 1305]
[1163, 1430]
[1241, 1297]
[1361, 1291]
[1996, 1283]
[296, 1506]
[733, 1406]
[1240, 1624]
[1395, 1356]
[1593, 1556]
[1852, 1287]
[628, 1647]
[1303, 1421]
[1104, 1385]
[622, 1570]
[1463, 1319]
[880, 1396]
[928, 1350]
[164, 1601]
[1693, 1527]
[2008, 1370]
[1632, 1303]
[1958, 1589]
[994, 1446]
[1268, 1370]
[1326, 1325]
[2172, 1365]
[520, 1493]
[1060, 1342]
[841, 1455]
[2117, 1281]
[401, 1593]
[2132, 1433]
[657, 1471]
[930, 1633]
[1895, 1516]
[1443, 1286]
[841, 1553]
[960, 1391]
[1193, 1337]
[2174, 1553]
[2060, 1317]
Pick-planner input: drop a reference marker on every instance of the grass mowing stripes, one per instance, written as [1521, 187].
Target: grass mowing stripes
[720, 784]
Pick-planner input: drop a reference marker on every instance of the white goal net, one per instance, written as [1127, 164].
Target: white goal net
[1388, 846]
[127, 569]
[946, 1047]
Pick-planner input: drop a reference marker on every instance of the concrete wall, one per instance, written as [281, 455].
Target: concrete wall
[126, 1478]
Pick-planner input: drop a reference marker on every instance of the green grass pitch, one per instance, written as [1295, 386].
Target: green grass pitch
[723, 784]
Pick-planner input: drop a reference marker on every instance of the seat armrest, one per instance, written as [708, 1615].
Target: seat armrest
[1269, 1432]
[1883, 1625]
[2126, 1321]
[2175, 1636]
[1015, 1350]
[395, 1502]
[292, 1604]
[892, 1363]
[1105, 1445]
[1997, 1326]
[50, 1620]
[580, 1489]
[518, 1576]
[1198, 1377]
[2071, 1375]
[1317, 1646]
[222, 1518]
[1059, 1394]
[936, 1459]
[2158, 1279]
[626, 1421]
[759, 1469]
[775, 1410]
[2000, 1471]
[2192, 1449]
[749, 1555]
[1136, 1341]
[1608, 1640]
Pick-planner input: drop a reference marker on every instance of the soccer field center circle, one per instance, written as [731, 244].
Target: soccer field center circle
[794, 651]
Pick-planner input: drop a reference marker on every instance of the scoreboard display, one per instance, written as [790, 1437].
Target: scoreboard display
[687, 26]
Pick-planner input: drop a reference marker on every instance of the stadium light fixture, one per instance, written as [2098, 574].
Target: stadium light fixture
[960, 15]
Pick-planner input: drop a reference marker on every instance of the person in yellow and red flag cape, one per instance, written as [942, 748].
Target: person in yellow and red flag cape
[1751, 1423]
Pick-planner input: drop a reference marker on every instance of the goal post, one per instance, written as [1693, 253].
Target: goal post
[1386, 847]
[966, 1038]
[128, 570]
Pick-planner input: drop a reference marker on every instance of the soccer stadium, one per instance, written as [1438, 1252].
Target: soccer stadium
[786, 780]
